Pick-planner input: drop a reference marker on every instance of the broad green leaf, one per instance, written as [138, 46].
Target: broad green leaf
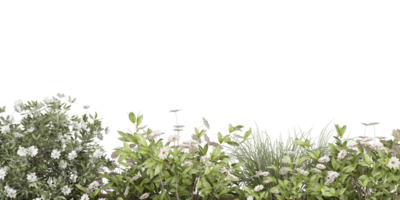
[220, 138]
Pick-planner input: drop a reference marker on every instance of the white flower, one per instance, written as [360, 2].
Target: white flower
[250, 198]
[31, 129]
[73, 177]
[5, 129]
[193, 142]
[267, 181]
[97, 154]
[18, 105]
[324, 159]
[22, 151]
[63, 164]
[72, 155]
[258, 188]
[207, 163]
[94, 184]
[376, 146]
[144, 196]
[10, 192]
[66, 190]
[18, 135]
[264, 173]
[304, 172]
[32, 151]
[333, 174]
[85, 197]
[3, 173]
[329, 181]
[342, 154]
[32, 177]
[187, 163]
[126, 191]
[321, 166]
[283, 171]
[393, 162]
[203, 158]
[275, 192]
[352, 145]
[50, 181]
[395, 189]
[55, 154]
[136, 177]
[233, 177]
[226, 169]
[163, 153]
[173, 138]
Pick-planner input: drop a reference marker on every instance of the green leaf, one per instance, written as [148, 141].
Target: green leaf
[139, 120]
[205, 149]
[206, 184]
[220, 138]
[132, 117]
[225, 160]
[335, 164]
[182, 158]
[367, 159]
[151, 164]
[287, 159]
[247, 134]
[158, 168]
[80, 187]
[127, 148]
[208, 170]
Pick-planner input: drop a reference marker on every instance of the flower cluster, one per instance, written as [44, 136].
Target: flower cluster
[34, 148]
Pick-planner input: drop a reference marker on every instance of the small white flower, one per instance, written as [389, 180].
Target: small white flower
[316, 170]
[264, 174]
[187, 163]
[203, 158]
[85, 197]
[250, 198]
[233, 177]
[258, 188]
[94, 184]
[324, 159]
[320, 166]
[32, 151]
[73, 177]
[66, 190]
[32, 177]
[207, 163]
[3, 172]
[226, 169]
[173, 138]
[393, 162]
[72, 155]
[126, 191]
[63, 164]
[333, 174]
[97, 154]
[304, 172]
[135, 177]
[50, 181]
[267, 181]
[5, 129]
[22, 151]
[18, 135]
[283, 171]
[144, 196]
[163, 153]
[342, 154]
[275, 192]
[55, 154]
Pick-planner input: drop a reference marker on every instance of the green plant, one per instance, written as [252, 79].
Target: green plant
[45, 134]
[162, 171]
[299, 183]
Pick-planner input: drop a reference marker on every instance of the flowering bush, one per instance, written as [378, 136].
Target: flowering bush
[43, 158]
[303, 183]
[174, 171]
